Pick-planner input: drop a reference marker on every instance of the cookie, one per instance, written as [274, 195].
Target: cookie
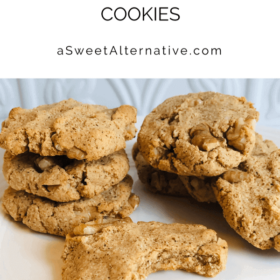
[126, 250]
[199, 134]
[58, 218]
[163, 182]
[263, 146]
[250, 199]
[80, 131]
[62, 179]
[199, 188]
[155, 180]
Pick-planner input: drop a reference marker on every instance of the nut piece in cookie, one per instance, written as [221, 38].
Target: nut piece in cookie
[44, 215]
[62, 179]
[202, 138]
[93, 227]
[250, 198]
[199, 134]
[80, 131]
[126, 250]
[241, 133]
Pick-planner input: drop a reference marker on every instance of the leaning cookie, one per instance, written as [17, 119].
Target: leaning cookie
[201, 189]
[202, 134]
[80, 131]
[263, 146]
[163, 182]
[43, 215]
[126, 250]
[155, 180]
[250, 199]
[62, 179]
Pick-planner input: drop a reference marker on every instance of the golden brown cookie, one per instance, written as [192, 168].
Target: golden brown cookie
[126, 250]
[199, 134]
[80, 131]
[250, 198]
[163, 182]
[44, 215]
[62, 179]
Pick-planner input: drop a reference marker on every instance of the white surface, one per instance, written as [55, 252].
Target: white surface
[32, 30]
[27, 255]
[144, 94]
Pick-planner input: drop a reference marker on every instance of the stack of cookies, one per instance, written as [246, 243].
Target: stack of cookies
[65, 165]
[205, 146]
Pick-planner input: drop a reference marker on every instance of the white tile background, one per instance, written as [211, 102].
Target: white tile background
[144, 94]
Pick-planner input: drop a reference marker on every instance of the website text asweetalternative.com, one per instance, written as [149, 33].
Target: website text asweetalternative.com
[129, 51]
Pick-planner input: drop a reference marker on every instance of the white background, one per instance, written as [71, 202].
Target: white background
[247, 31]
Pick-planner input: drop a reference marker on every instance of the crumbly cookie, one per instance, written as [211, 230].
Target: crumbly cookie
[263, 146]
[80, 131]
[163, 182]
[126, 250]
[201, 188]
[199, 134]
[43, 215]
[250, 199]
[155, 180]
[62, 179]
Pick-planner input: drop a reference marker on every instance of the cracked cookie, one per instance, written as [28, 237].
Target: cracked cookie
[126, 250]
[62, 179]
[250, 198]
[58, 218]
[80, 131]
[199, 134]
[163, 182]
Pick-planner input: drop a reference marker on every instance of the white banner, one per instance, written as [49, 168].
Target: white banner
[140, 39]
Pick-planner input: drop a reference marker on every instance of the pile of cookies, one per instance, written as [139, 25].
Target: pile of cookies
[65, 165]
[205, 146]
[67, 173]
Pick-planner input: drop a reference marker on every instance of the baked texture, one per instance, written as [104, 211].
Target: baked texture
[155, 180]
[200, 188]
[199, 134]
[250, 199]
[126, 250]
[263, 147]
[80, 131]
[163, 182]
[62, 179]
[58, 218]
